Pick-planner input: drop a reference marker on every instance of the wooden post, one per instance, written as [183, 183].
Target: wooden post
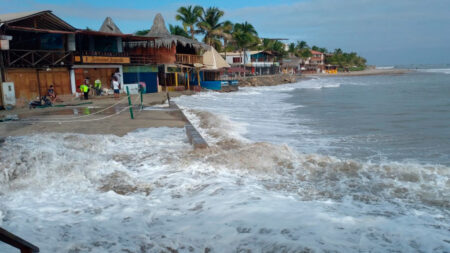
[188, 79]
[198, 78]
[176, 79]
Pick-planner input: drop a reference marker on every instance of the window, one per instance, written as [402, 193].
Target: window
[237, 59]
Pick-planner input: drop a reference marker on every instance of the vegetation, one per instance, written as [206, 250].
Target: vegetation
[189, 17]
[142, 32]
[177, 30]
[226, 36]
[349, 61]
[210, 25]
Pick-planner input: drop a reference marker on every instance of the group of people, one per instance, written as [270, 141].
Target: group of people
[85, 87]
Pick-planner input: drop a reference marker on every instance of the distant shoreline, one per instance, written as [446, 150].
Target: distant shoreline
[367, 72]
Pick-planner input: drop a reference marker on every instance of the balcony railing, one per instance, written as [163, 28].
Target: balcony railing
[190, 59]
[17, 242]
[107, 54]
[36, 58]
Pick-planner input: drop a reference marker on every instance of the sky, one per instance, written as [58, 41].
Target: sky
[385, 32]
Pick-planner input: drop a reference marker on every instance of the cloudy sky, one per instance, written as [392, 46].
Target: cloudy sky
[386, 32]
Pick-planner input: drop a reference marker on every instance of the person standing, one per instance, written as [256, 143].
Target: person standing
[116, 87]
[98, 86]
[84, 88]
[118, 76]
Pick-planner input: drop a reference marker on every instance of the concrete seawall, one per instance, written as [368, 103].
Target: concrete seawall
[193, 135]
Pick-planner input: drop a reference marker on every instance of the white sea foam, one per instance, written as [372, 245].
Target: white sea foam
[385, 67]
[440, 71]
[148, 191]
[251, 191]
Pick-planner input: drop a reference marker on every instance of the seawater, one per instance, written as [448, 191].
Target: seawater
[339, 164]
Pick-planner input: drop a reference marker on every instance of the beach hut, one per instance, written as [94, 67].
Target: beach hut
[213, 70]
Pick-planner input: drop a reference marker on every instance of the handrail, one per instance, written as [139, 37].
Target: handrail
[36, 58]
[17, 242]
[109, 54]
[189, 58]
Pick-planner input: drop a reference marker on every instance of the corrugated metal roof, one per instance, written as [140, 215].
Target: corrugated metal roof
[12, 17]
[47, 20]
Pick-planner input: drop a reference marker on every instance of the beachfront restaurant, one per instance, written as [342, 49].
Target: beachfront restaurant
[99, 55]
[38, 53]
[174, 57]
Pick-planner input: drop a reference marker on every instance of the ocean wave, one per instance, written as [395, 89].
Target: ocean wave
[318, 83]
[149, 190]
[441, 71]
[385, 67]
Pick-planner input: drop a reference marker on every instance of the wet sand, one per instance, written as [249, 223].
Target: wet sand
[100, 120]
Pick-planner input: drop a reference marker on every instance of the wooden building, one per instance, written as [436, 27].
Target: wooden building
[39, 54]
[99, 55]
[174, 56]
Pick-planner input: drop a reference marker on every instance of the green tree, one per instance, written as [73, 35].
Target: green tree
[142, 32]
[227, 29]
[178, 30]
[305, 53]
[244, 37]
[209, 24]
[345, 60]
[292, 48]
[301, 45]
[189, 17]
[323, 50]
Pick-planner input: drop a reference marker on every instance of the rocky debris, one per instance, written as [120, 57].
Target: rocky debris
[267, 80]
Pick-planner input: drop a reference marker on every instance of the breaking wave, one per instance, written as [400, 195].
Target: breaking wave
[149, 191]
[440, 71]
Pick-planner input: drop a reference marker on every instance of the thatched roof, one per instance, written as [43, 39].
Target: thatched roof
[159, 28]
[109, 26]
[165, 39]
[212, 60]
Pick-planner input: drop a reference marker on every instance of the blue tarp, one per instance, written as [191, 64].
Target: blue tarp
[149, 78]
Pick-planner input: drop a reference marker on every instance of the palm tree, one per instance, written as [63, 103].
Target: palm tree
[189, 17]
[246, 28]
[245, 36]
[302, 44]
[177, 30]
[227, 29]
[209, 24]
